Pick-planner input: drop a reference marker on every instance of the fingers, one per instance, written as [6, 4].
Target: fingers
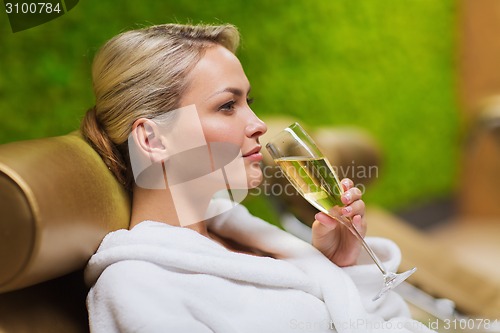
[351, 198]
[347, 183]
[351, 195]
[355, 208]
[360, 224]
[326, 221]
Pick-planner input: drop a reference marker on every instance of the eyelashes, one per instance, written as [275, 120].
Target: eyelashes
[230, 106]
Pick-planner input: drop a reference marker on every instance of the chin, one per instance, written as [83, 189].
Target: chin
[254, 181]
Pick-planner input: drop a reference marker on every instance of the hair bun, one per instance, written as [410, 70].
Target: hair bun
[98, 138]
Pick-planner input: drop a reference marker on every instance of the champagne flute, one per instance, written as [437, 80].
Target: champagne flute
[311, 174]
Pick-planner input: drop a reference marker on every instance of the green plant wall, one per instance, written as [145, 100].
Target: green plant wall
[386, 66]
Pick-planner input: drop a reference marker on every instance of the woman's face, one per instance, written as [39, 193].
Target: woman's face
[219, 89]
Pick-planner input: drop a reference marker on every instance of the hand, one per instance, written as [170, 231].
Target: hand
[334, 240]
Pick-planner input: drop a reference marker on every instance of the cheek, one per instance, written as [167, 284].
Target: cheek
[217, 130]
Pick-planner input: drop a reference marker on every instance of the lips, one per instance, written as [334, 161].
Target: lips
[254, 151]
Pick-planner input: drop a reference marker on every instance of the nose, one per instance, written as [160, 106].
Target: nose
[255, 127]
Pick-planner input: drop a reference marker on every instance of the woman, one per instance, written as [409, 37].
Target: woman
[172, 109]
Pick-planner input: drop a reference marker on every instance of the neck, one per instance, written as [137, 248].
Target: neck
[186, 210]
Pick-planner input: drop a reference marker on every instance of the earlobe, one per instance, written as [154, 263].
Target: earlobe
[149, 140]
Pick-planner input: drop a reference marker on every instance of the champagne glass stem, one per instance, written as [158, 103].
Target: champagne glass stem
[347, 222]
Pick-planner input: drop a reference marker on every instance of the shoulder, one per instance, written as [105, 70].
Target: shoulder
[129, 277]
[125, 284]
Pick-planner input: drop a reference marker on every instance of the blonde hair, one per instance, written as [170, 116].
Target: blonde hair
[142, 74]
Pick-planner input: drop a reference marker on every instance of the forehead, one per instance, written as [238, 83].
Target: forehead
[218, 69]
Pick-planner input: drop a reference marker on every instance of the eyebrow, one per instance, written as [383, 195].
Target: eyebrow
[234, 91]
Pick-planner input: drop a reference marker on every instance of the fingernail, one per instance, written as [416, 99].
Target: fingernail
[346, 210]
[347, 197]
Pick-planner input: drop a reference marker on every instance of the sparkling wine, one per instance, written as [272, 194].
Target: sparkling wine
[315, 180]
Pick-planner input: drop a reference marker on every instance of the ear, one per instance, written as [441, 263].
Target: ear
[148, 139]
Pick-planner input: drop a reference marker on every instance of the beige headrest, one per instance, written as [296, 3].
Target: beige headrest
[57, 201]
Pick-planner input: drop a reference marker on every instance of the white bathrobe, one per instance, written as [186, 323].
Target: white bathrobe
[160, 278]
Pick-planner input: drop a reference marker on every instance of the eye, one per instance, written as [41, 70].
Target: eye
[229, 106]
[249, 101]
